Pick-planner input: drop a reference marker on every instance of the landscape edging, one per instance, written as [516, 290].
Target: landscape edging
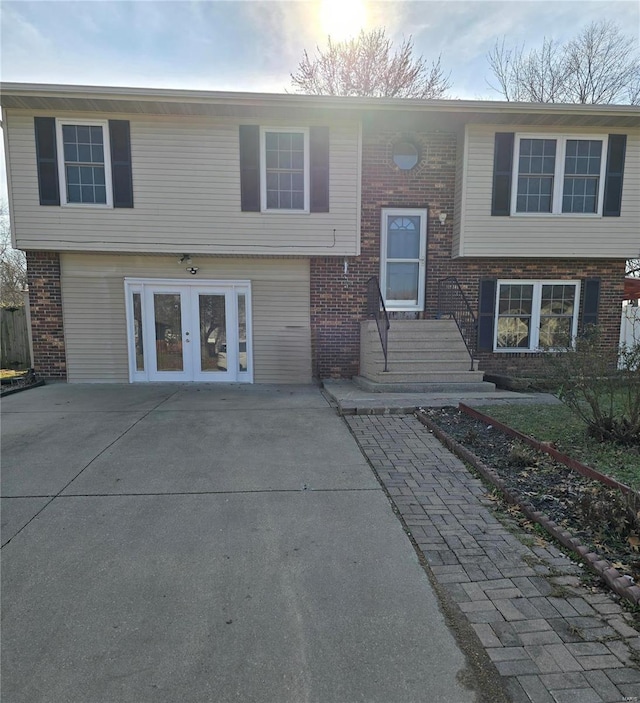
[547, 448]
[19, 389]
[623, 585]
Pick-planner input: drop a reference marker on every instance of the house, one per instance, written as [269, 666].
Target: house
[198, 236]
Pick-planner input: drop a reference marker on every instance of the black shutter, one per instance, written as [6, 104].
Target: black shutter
[319, 169]
[486, 313]
[249, 168]
[590, 302]
[122, 182]
[613, 175]
[46, 157]
[502, 169]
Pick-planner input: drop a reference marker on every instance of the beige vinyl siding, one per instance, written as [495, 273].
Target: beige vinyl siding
[95, 322]
[186, 187]
[556, 236]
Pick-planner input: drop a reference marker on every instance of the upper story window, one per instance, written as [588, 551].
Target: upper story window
[285, 170]
[532, 315]
[84, 163]
[557, 175]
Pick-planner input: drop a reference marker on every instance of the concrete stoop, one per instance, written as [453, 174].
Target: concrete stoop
[424, 356]
[423, 387]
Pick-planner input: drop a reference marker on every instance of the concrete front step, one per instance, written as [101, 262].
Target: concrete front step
[427, 387]
[422, 366]
[420, 351]
[443, 344]
[403, 326]
[423, 376]
[438, 340]
[419, 355]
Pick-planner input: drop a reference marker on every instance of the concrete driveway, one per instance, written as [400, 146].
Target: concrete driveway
[206, 543]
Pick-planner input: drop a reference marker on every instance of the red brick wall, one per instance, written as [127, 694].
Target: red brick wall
[45, 301]
[338, 301]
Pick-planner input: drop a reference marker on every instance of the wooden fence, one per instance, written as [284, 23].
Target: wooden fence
[14, 338]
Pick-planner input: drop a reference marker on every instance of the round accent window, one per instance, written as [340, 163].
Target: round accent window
[405, 155]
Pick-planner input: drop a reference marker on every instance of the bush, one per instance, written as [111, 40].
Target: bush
[606, 398]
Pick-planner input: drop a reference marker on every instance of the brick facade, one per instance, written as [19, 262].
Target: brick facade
[338, 300]
[45, 301]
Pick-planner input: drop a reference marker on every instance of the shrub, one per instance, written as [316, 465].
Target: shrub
[606, 398]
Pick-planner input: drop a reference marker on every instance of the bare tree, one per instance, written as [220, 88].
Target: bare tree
[537, 76]
[368, 66]
[13, 266]
[600, 65]
[633, 267]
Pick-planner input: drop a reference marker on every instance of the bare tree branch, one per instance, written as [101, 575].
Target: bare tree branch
[13, 266]
[368, 66]
[633, 268]
[603, 64]
[600, 65]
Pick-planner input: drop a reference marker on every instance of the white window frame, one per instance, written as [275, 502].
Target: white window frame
[400, 305]
[263, 170]
[534, 333]
[62, 176]
[558, 176]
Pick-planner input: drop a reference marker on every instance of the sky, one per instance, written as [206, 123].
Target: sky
[254, 45]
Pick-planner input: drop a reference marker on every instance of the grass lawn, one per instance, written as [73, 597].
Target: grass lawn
[554, 423]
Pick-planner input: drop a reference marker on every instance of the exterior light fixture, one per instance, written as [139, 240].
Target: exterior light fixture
[442, 217]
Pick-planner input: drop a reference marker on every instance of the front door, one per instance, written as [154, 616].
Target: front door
[403, 257]
[188, 331]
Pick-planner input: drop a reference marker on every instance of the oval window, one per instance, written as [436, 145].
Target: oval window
[405, 155]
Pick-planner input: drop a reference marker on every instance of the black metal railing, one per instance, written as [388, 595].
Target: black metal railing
[377, 311]
[454, 304]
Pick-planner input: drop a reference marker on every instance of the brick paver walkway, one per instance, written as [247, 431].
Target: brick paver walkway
[552, 639]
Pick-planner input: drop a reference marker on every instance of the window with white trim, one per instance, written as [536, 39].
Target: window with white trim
[84, 164]
[285, 169]
[536, 315]
[559, 174]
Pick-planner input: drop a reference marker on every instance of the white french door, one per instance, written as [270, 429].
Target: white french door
[403, 258]
[189, 331]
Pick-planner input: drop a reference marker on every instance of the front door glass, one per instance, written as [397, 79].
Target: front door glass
[242, 332]
[213, 333]
[137, 331]
[168, 326]
[403, 259]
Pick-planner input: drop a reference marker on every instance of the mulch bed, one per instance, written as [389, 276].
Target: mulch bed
[602, 518]
[16, 384]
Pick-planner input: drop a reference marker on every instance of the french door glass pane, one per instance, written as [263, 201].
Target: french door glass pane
[168, 319]
[213, 333]
[242, 332]
[137, 331]
[402, 281]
